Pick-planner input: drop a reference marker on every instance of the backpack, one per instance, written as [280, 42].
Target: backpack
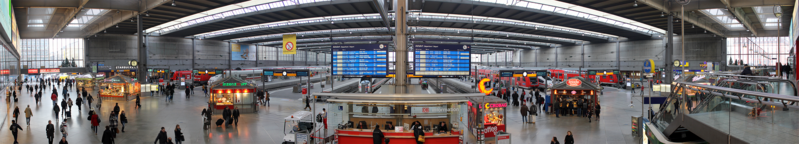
[318, 117]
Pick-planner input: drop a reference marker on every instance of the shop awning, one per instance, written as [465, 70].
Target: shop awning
[118, 79]
[232, 83]
[575, 83]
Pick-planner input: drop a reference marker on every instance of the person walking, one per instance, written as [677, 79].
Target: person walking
[64, 107]
[556, 108]
[69, 104]
[192, 89]
[377, 135]
[266, 93]
[554, 141]
[14, 129]
[261, 96]
[63, 128]
[161, 138]
[226, 115]
[79, 102]
[89, 99]
[138, 100]
[108, 136]
[541, 103]
[57, 111]
[178, 135]
[116, 108]
[524, 110]
[632, 88]
[236, 116]
[533, 113]
[95, 122]
[569, 138]
[54, 97]
[597, 110]
[16, 113]
[28, 114]
[63, 141]
[307, 103]
[50, 129]
[188, 92]
[515, 98]
[123, 119]
[642, 89]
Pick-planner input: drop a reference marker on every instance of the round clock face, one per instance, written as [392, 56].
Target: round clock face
[133, 63]
[676, 63]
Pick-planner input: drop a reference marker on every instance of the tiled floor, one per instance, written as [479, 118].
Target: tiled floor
[266, 125]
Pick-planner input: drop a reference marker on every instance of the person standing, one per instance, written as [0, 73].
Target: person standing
[54, 97]
[261, 96]
[50, 131]
[64, 107]
[267, 98]
[597, 110]
[192, 89]
[533, 113]
[188, 92]
[123, 119]
[178, 135]
[95, 122]
[236, 116]
[90, 100]
[632, 88]
[28, 114]
[524, 110]
[377, 135]
[14, 129]
[324, 117]
[116, 108]
[161, 138]
[138, 100]
[64, 128]
[569, 138]
[69, 104]
[57, 111]
[515, 98]
[226, 115]
[556, 108]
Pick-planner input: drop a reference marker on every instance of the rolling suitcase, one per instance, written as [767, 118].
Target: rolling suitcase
[219, 122]
[69, 114]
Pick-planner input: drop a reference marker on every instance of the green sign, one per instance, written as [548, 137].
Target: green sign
[195, 71]
[229, 84]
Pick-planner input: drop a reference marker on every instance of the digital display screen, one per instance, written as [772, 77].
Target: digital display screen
[541, 73]
[506, 74]
[360, 60]
[591, 72]
[268, 73]
[616, 72]
[302, 73]
[441, 60]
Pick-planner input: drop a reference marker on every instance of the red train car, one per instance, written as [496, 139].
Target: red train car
[522, 82]
[560, 74]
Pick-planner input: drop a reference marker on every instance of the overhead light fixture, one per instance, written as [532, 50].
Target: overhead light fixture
[131, 20]
[692, 26]
[661, 14]
[103, 31]
[95, 35]
[331, 22]
[117, 26]
[147, 13]
[507, 35]
[635, 3]
[536, 27]
[173, 3]
[705, 31]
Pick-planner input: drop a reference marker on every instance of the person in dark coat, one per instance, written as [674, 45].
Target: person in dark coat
[56, 110]
[747, 70]
[138, 99]
[123, 119]
[236, 116]
[116, 108]
[50, 131]
[63, 106]
[569, 138]
[377, 135]
[63, 140]
[418, 132]
[554, 141]
[307, 103]
[515, 98]
[524, 110]
[161, 138]
[597, 110]
[108, 136]
[79, 102]
[188, 92]
[178, 135]
[226, 114]
[15, 128]
[16, 113]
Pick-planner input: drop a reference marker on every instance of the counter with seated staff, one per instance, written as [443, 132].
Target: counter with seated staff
[351, 135]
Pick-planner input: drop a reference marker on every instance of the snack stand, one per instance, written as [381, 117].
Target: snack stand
[233, 93]
[86, 81]
[119, 87]
[354, 116]
[487, 117]
[574, 88]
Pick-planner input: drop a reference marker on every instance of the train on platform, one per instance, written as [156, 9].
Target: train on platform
[255, 73]
[539, 82]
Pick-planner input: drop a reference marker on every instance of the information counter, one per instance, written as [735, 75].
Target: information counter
[354, 116]
[119, 87]
[232, 93]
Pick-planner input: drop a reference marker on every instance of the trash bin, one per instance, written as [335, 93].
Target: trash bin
[296, 89]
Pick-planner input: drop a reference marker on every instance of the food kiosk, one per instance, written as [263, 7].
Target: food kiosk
[354, 116]
[86, 81]
[233, 93]
[487, 117]
[573, 89]
[119, 87]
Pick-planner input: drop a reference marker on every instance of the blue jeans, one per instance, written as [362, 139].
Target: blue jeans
[524, 118]
[579, 112]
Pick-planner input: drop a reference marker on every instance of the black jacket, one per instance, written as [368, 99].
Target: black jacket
[123, 118]
[116, 108]
[747, 71]
[108, 137]
[50, 130]
[79, 101]
[161, 138]
[236, 113]
[377, 136]
[63, 142]
[15, 128]
[226, 113]
[569, 140]
[178, 135]
[417, 131]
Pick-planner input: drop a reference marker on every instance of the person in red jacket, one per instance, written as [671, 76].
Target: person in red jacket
[55, 98]
[95, 123]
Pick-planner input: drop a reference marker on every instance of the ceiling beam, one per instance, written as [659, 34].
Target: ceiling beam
[659, 5]
[67, 18]
[382, 9]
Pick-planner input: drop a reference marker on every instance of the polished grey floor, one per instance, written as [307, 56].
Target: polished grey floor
[266, 126]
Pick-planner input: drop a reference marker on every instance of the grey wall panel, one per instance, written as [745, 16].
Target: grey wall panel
[111, 50]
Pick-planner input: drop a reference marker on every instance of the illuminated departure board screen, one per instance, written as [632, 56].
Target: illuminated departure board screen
[441, 60]
[356, 60]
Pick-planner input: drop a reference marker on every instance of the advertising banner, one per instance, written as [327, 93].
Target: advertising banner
[289, 44]
[242, 52]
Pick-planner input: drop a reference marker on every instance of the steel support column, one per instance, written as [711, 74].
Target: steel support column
[618, 54]
[229, 56]
[582, 54]
[193, 48]
[556, 56]
[669, 50]
[400, 48]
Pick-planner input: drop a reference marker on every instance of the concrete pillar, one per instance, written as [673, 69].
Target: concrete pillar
[193, 48]
[669, 50]
[277, 57]
[229, 56]
[536, 56]
[400, 48]
[142, 51]
[618, 54]
[256, 55]
[582, 54]
[556, 56]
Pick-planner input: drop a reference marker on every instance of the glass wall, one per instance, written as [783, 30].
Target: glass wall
[51, 53]
[758, 51]
[9, 68]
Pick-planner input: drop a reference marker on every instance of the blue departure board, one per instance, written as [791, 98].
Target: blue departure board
[441, 60]
[358, 60]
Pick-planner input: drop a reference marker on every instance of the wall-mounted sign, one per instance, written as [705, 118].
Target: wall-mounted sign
[50, 70]
[33, 71]
[574, 82]
[234, 84]
[5, 72]
[678, 63]
[482, 86]
[649, 66]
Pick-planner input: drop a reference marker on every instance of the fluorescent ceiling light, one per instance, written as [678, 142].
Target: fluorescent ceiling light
[235, 9]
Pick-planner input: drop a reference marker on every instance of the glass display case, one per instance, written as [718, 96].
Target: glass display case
[118, 86]
[232, 93]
